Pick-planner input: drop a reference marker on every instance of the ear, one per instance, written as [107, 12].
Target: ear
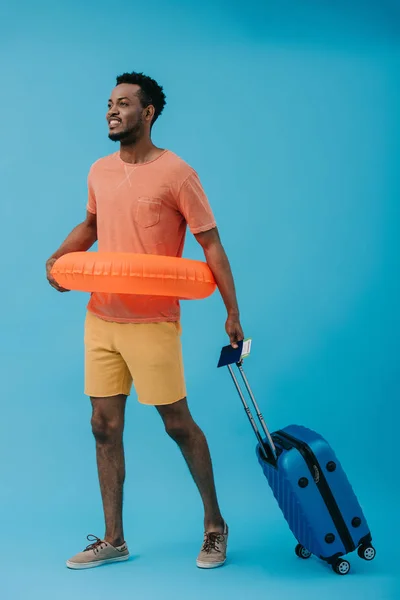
[149, 112]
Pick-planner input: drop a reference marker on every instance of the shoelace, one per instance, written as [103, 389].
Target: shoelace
[211, 540]
[96, 544]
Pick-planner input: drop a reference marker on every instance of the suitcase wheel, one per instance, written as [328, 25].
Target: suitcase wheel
[367, 552]
[341, 567]
[302, 552]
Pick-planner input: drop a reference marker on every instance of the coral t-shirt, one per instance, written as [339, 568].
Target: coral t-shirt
[144, 208]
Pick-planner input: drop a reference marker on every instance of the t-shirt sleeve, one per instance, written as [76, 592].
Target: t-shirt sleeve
[91, 203]
[194, 205]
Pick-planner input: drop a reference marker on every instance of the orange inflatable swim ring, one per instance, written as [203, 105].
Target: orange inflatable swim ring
[128, 273]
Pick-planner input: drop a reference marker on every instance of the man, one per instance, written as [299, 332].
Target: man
[141, 199]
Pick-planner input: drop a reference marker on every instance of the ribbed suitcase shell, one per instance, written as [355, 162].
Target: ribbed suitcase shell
[303, 507]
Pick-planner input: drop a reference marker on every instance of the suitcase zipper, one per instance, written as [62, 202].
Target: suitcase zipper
[323, 486]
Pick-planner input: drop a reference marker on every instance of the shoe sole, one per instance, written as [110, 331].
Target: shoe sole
[204, 565]
[97, 563]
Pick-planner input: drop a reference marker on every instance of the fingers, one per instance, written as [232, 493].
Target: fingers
[235, 337]
[234, 330]
[50, 279]
[55, 285]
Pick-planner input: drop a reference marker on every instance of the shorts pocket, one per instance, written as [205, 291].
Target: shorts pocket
[148, 211]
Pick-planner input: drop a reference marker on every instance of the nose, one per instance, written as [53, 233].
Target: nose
[112, 112]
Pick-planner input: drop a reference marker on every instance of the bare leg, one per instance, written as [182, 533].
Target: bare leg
[108, 425]
[180, 426]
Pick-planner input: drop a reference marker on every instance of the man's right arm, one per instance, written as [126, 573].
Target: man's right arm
[81, 238]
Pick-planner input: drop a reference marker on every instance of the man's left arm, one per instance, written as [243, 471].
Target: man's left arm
[218, 262]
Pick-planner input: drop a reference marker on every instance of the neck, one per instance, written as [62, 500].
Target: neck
[140, 151]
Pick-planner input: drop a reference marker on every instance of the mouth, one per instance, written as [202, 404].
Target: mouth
[114, 122]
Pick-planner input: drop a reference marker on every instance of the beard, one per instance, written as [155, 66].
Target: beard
[128, 136]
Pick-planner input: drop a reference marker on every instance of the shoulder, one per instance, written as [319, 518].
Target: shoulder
[103, 163]
[178, 168]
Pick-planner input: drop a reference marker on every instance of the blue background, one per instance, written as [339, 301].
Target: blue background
[289, 112]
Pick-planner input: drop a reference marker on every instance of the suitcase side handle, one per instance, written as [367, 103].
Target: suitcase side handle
[230, 356]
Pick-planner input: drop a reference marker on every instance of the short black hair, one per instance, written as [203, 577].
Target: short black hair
[150, 91]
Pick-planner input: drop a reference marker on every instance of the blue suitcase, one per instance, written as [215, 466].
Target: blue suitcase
[309, 485]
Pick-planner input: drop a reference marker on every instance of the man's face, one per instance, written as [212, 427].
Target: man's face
[124, 115]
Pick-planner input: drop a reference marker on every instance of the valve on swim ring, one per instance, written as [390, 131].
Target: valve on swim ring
[128, 273]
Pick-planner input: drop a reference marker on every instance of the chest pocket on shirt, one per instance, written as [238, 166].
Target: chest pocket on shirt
[148, 211]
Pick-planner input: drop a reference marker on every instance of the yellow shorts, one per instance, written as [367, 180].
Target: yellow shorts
[149, 355]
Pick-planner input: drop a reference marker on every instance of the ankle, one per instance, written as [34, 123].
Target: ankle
[216, 525]
[114, 541]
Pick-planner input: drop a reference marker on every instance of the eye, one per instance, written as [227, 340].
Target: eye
[123, 103]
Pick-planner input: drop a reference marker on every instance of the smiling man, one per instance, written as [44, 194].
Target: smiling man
[142, 199]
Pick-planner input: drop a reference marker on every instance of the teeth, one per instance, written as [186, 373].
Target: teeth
[114, 122]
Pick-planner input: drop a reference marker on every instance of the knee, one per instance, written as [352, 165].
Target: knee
[106, 430]
[179, 430]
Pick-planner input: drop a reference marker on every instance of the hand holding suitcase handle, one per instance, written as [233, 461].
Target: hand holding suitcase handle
[230, 356]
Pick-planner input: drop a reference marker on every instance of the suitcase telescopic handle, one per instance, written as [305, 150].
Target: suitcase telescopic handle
[271, 444]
